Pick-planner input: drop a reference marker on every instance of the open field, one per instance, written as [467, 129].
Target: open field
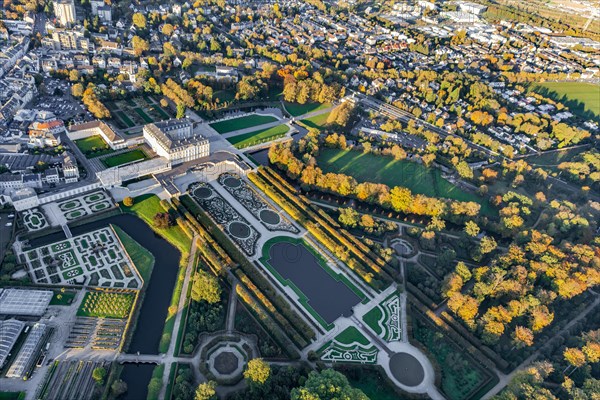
[296, 109]
[124, 158]
[247, 121]
[146, 207]
[552, 159]
[259, 136]
[382, 169]
[582, 98]
[93, 146]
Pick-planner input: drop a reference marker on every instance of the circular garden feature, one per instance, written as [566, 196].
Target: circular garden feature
[407, 369]
[203, 192]
[226, 363]
[232, 182]
[239, 230]
[270, 217]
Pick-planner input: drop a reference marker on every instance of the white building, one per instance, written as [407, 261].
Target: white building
[65, 11]
[175, 140]
[472, 8]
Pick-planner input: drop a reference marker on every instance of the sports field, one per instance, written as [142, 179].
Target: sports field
[581, 98]
[296, 109]
[93, 146]
[124, 158]
[382, 169]
[247, 121]
[259, 136]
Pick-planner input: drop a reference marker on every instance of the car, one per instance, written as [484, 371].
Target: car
[9, 224]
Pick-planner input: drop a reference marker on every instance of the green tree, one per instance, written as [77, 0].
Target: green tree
[98, 374]
[257, 371]
[471, 228]
[206, 391]
[139, 20]
[349, 217]
[139, 45]
[327, 385]
[118, 387]
[206, 287]
[77, 90]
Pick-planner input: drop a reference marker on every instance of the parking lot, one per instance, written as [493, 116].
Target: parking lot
[6, 232]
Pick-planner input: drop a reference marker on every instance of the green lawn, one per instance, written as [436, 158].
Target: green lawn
[146, 207]
[351, 335]
[12, 395]
[372, 319]
[296, 109]
[142, 258]
[62, 299]
[383, 169]
[259, 136]
[224, 95]
[554, 158]
[93, 146]
[124, 158]
[247, 121]
[316, 122]
[144, 116]
[581, 98]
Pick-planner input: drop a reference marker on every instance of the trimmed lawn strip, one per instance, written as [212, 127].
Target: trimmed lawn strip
[158, 373]
[296, 109]
[259, 136]
[165, 339]
[124, 158]
[244, 122]
[286, 282]
[351, 335]
[316, 122]
[12, 395]
[171, 381]
[140, 256]
[144, 116]
[125, 119]
[383, 169]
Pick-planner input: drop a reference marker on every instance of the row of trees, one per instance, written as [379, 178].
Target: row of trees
[397, 198]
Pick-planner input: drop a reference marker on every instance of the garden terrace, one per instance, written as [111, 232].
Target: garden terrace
[350, 346]
[323, 293]
[34, 219]
[247, 121]
[95, 258]
[260, 287]
[136, 111]
[225, 215]
[384, 319]
[83, 205]
[252, 201]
